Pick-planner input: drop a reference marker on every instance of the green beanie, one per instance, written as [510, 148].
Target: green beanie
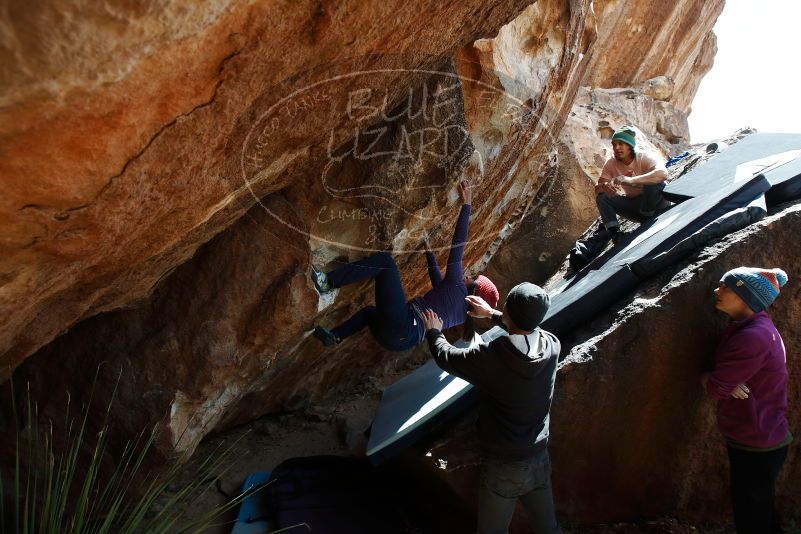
[627, 135]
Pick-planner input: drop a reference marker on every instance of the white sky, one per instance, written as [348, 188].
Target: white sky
[756, 78]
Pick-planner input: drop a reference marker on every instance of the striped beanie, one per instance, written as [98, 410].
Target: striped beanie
[486, 290]
[757, 287]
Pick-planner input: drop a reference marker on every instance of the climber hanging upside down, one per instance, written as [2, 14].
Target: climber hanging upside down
[396, 324]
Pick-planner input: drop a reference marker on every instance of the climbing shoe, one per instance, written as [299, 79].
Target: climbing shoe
[326, 336]
[321, 281]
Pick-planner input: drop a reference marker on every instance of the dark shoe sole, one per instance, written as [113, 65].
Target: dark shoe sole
[326, 337]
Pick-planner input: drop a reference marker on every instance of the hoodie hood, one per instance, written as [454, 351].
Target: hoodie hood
[528, 345]
[530, 350]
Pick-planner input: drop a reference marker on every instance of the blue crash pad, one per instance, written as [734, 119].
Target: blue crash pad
[411, 407]
[251, 518]
[766, 153]
[327, 495]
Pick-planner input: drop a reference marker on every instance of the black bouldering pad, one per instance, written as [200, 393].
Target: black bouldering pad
[414, 405]
[333, 495]
[785, 183]
[722, 226]
[760, 153]
[609, 277]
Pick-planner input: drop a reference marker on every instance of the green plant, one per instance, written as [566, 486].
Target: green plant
[57, 490]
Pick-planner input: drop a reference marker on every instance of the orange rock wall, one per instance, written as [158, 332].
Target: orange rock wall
[205, 223]
[641, 40]
[173, 172]
[122, 129]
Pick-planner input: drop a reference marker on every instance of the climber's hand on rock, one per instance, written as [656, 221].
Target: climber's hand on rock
[426, 242]
[431, 320]
[478, 307]
[466, 191]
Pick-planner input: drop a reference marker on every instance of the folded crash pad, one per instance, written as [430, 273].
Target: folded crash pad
[728, 223]
[252, 517]
[330, 495]
[774, 155]
[609, 277]
[411, 407]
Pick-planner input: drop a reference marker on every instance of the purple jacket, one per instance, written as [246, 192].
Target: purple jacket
[447, 295]
[751, 351]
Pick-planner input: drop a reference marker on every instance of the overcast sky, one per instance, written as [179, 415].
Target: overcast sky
[756, 79]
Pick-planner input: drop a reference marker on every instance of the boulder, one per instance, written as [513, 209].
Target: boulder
[642, 40]
[330, 165]
[131, 135]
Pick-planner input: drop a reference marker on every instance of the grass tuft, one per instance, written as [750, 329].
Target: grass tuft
[63, 490]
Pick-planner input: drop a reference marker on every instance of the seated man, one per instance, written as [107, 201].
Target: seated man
[631, 183]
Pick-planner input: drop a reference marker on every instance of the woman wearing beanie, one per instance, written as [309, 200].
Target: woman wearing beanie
[396, 324]
[749, 384]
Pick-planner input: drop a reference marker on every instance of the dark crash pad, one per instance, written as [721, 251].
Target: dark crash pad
[412, 407]
[728, 223]
[774, 155]
[325, 495]
[609, 277]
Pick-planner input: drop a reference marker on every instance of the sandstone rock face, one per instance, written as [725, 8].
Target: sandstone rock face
[132, 135]
[167, 193]
[663, 125]
[638, 41]
[224, 337]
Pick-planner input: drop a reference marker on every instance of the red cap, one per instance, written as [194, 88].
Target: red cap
[487, 290]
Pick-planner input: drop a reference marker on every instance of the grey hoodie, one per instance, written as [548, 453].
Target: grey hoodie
[514, 376]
